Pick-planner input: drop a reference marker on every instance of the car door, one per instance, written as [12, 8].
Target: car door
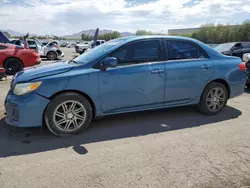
[137, 82]
[32, 45]
[40, 48]
[188, 68]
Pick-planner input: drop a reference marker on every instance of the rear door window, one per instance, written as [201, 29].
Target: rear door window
[179, 49]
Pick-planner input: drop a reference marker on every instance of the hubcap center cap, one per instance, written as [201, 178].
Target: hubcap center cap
[70, 116]
[215, 99]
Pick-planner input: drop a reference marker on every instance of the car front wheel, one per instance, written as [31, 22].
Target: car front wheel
[51, 55]
[12, 66]
[68, 114]
[214, 99]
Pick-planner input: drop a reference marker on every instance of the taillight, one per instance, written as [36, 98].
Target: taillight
[2, 70]
[242, 66]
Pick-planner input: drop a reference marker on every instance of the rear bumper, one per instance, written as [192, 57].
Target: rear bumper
[237, 88]
[26, 110]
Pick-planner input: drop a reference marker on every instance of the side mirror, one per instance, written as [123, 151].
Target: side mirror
[246, 57]
[108, 62]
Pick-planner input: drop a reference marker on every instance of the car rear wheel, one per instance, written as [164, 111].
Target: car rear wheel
[68, 114]
[12, 66]
[51, 55]
[214, 99]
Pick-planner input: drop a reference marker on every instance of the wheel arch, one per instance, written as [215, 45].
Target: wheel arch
[12, 58]
[222, 81]
[52, 51]
[78, 92]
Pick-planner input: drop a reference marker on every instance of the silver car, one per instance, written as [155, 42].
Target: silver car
[49, 50]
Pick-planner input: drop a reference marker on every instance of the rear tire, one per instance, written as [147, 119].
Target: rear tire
[12, 66]
[51, 55]
[213, 99]
[68, 114]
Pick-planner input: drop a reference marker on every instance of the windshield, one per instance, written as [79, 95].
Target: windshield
[224, 47]
[98, 51]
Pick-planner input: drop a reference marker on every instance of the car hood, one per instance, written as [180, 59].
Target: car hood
[42, 71]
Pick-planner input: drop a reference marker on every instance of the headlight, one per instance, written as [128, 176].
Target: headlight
[23, 88]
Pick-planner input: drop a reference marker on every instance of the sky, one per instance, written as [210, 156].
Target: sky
[63, 17]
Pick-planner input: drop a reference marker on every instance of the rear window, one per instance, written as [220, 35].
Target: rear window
[184, 50]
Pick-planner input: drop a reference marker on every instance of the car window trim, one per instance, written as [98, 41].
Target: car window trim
[166, 43]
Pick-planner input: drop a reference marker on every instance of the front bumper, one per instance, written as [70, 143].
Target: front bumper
[25, 110]
[60, 54]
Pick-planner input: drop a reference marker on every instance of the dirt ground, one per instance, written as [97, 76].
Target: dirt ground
[166, 148]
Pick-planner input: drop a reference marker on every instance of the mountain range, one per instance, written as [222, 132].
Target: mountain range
[90, 32]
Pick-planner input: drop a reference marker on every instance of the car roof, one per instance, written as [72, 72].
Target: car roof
[209, 50]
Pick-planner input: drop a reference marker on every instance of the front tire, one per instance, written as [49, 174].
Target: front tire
[82, 51]
[12, 66]
[68, 114]
[213, 99]
[51, 55]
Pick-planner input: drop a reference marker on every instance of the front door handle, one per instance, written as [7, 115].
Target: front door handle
[157, 71]
[205, 67]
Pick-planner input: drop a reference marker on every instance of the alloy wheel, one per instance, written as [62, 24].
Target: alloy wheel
[69, 116]
[215, 99]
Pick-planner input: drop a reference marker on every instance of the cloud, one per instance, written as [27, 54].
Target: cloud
[63, 17]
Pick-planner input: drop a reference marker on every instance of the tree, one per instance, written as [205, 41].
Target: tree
[143, 32]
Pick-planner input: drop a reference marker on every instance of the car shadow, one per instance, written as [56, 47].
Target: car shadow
[21, 141]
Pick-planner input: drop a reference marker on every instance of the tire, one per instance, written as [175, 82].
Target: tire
[82, 51]
[68, 128]
[207, 99]
[12, 66]
[51, 55]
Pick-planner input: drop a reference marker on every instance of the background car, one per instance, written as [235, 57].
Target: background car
[82, 47]
[234, 48]
[246, 59]
[124, 75]
[49, 50]
[14, 58]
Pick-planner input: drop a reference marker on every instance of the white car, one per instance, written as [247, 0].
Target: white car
[82, 47]
[49, 50]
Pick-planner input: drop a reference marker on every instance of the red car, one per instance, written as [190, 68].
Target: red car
[14, 58]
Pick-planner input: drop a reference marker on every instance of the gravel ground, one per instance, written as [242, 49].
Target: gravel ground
[166, 148]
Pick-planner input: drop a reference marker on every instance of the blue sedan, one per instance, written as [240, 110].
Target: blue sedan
[124, 75]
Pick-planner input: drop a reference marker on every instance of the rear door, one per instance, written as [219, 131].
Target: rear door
[40, 48]
[188, 68]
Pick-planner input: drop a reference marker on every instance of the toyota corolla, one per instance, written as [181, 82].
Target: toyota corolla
[124, 75]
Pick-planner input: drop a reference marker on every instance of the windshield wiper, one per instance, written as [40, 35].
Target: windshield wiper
[72, 61]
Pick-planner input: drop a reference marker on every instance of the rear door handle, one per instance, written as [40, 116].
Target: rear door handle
[157, 71]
